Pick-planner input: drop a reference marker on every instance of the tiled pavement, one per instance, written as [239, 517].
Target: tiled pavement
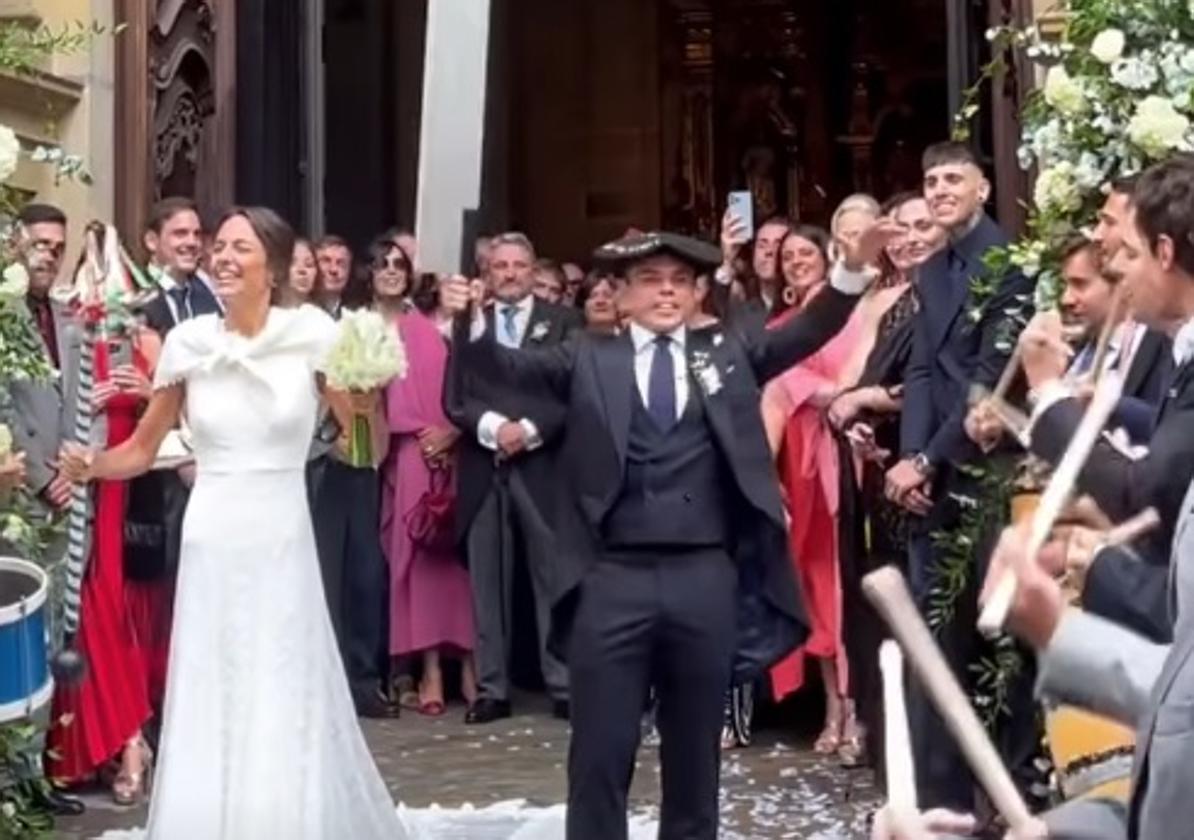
[775, 790]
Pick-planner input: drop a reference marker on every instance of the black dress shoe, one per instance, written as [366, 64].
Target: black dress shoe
[561, 710]
[58, 803]
[487, 711]
[376, 707]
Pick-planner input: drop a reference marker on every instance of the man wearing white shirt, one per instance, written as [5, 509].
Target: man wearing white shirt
[673, 570]
[506, 479]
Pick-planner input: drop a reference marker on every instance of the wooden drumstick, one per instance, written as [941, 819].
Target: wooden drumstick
[1057, 493]
[900, 770]
[1133, 527]
[889, 593]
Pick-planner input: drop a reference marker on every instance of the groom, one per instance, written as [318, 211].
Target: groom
[673, 549]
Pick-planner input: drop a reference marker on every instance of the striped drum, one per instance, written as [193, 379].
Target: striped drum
[25, 682]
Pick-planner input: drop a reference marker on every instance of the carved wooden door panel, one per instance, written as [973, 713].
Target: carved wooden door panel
[175, 106]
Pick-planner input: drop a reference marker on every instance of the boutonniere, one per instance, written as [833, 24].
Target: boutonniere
[706, 373]
[539, 331]
[718, 338]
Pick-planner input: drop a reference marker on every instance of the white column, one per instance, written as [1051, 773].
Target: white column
[452, 128]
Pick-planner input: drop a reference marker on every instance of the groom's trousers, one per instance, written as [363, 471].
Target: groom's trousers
[355, 577]
[661, 619]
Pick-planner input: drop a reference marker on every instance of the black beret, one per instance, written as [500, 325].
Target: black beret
[635, 247]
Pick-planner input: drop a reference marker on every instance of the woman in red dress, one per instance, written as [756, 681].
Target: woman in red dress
[100, 718]
[794, 408]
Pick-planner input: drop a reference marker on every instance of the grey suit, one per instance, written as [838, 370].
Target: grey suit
[1099, 665]
[44, 413]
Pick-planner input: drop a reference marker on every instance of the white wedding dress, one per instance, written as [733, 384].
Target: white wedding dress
[260, 737]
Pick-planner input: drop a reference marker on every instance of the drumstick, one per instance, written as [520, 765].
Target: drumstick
[1106, 395]
[887, 590]
[1133, 527]
[1012, 418]
[1008, 376]
[900, 771]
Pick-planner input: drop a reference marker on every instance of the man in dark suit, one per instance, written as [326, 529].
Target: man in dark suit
[1156, 260]
[673, 548]
[952, 350]
[506, 479]
[174, 240]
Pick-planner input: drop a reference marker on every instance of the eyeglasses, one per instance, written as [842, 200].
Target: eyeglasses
[48, 246]
[392, 263]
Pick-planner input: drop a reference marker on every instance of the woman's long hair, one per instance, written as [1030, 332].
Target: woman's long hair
[359, 294]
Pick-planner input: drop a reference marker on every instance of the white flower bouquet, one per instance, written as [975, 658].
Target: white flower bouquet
[366, 355]
[1117, 95]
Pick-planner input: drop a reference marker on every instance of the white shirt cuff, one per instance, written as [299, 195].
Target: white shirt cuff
[851, 282]
[487, 429]
[723, 276]
[534, 441]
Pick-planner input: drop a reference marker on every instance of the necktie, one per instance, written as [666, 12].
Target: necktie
[44, 317]
[509, 313]
[182, 299]
[1084, 361]
[661, 385]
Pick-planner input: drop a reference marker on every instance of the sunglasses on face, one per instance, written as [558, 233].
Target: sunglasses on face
[392, 263]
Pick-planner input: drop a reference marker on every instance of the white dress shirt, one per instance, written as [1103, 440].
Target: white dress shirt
[1183, 343]
[644, 351]
[491, 421]
[522, 318]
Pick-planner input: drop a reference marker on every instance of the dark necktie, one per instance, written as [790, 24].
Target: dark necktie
[661, 385]
[44, 316]
[181, 295]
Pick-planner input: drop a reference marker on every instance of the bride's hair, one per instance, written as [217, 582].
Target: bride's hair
[277, 238]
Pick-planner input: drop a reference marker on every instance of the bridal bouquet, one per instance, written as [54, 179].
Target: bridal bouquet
[366, 355]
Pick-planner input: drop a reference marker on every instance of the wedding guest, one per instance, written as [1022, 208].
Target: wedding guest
[755, 280]
[101, 718]
[794, 407]
[303, 282]
[430, 600]
[597, 298]
[575, 277]
[508, 480]
[174, 240]
[550, 281]
[43, 413]
[872, 530]
[347, 510]
[335, 269]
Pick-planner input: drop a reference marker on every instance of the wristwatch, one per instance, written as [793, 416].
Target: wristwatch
[922, 464]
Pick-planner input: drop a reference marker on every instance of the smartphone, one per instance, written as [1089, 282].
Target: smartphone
[120, 353]
[740, 203]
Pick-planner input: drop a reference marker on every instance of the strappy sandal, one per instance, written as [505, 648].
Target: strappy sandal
[131, 787]
[830, 739]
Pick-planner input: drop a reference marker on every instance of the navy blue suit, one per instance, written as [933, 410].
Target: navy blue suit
[951, 351]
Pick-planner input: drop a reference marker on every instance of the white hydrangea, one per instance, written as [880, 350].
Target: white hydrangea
[14, 282]
[1089, 172]
[1047, 142]
[1056, 189]
[1134, 73]
[1157, 127]
[1063, 92]
[10, 152]
[1108, 45]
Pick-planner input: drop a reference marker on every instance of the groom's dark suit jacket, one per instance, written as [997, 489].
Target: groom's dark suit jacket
[594, 377]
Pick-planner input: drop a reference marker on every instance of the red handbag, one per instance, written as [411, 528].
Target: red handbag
[431, 523]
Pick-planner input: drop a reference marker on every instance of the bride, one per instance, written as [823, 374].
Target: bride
[260, 736]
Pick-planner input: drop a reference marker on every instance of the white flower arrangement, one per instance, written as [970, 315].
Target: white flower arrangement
[366, 355]
[10, 152]
[1118, 95]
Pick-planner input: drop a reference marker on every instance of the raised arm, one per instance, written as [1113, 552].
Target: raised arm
[136, 455]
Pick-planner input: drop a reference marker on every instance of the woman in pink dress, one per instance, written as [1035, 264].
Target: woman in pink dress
[794, 406]
[430, 601]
